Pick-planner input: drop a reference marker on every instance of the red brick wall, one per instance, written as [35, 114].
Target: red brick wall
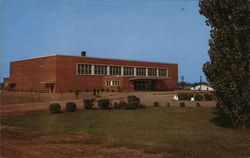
[27, 74]
[68, 80]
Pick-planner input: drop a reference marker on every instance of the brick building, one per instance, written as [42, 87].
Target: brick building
[64, 73]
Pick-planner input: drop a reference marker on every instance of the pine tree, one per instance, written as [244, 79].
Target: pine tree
[229, 69]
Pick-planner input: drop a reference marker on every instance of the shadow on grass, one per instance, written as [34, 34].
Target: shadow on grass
[222, 120]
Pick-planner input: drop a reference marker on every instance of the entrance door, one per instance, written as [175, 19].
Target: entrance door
[143, 85]
[51, 88]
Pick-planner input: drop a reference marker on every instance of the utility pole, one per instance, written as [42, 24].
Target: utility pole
[200, 81]
[182, 82]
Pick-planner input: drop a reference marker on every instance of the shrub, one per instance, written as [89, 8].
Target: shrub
[103, 103]
[156, 104]
[189, 96]
[208, 97]
[198, 104]
[185, 96]
[182, 96]
[55, 108]
[133, 103]
[70, 107]
[88, 103]
[198, 97]
[182, 104]
[133, 98]
[120, 105]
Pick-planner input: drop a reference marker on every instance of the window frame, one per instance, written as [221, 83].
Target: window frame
[80, 69]
[115, 70]
[131, 73]
[142, 73]
[112, 83]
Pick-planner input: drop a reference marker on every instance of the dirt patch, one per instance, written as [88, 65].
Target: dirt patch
[36, 149]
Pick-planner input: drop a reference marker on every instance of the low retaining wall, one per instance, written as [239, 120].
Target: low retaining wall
[33, 97]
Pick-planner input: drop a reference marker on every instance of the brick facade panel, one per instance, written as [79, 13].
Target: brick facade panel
[28, 74]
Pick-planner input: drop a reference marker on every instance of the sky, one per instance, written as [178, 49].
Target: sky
[169, 31]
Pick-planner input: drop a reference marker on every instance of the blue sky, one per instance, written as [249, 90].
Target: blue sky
[151, 30]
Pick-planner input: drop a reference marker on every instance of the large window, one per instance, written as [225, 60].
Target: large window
[128, 71]
[140, 71]
[116, 83]
[100, 70]
[92, 69]
[84, 69]
[152, 72]
[163, 72]
[115, 70]
[113, 83]
[108, 83]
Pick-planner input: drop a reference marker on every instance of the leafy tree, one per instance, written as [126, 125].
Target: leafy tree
[228, 70]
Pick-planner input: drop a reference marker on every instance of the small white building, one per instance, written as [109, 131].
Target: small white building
[202, 88]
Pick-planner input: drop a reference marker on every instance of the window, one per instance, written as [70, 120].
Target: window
[128, 71]
[152, 72]
[116, 83]
[113, 83]
[108, 83]
[115, 70]
[100, 70]
[163, 72]
[140, 71]
[84, 69]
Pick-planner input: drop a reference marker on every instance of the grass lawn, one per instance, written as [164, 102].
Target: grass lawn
[181, 132]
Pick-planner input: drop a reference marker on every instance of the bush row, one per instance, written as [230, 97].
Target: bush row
[56, 108]
[133, 102]
[197, 97]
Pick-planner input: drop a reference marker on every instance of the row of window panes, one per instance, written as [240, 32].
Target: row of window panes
[100, 70]
[140, 71]
[116, 70]
[163, 72]
[113, 83]
[84, 69]
[152, 72]
[128, 71]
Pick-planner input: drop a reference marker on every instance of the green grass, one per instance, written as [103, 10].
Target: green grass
[182, 132]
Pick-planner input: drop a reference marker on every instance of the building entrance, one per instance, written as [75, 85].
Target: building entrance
[143, 85]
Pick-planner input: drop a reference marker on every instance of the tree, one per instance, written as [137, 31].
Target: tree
[228, 70]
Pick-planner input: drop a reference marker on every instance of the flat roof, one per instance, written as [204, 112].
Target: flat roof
[39, 57]
[52, 55]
